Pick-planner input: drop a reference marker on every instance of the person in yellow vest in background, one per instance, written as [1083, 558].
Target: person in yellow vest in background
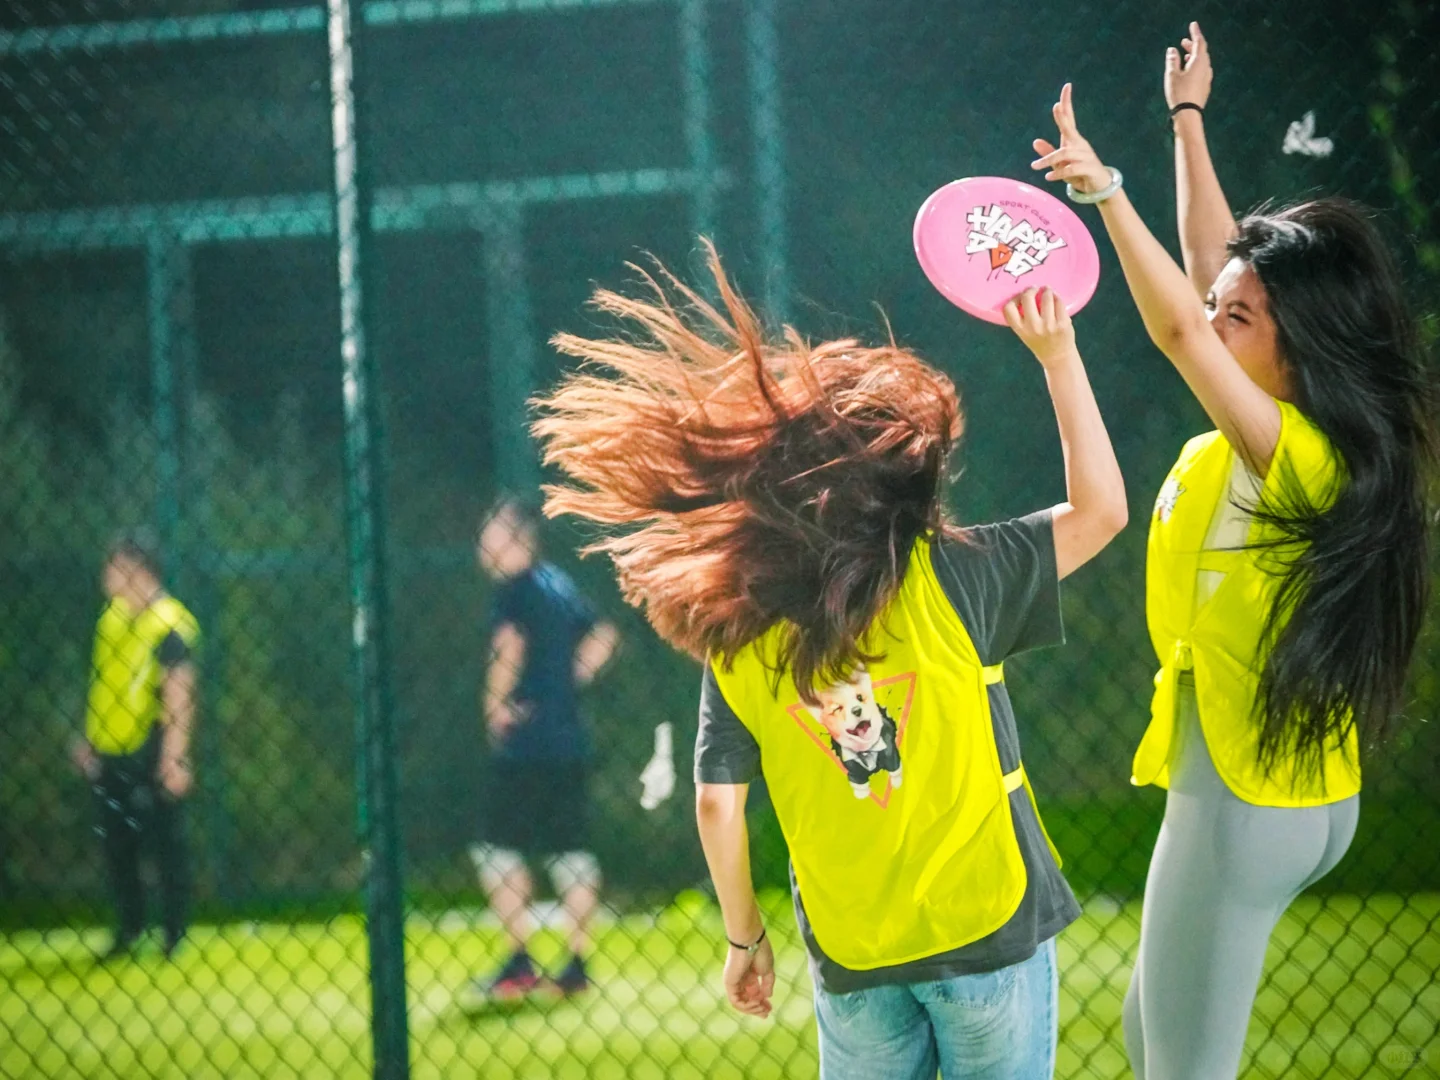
[139, 727]
[1287, 571]
[782, 521]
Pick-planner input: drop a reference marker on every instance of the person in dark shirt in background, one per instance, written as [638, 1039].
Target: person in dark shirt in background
[546, 644]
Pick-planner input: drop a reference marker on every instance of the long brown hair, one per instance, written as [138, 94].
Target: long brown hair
[747, 482]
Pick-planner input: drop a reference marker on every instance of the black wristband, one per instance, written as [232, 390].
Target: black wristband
[1187, 105]
[747, 948]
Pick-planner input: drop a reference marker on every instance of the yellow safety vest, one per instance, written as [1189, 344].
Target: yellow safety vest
[908, 850]
[1220, 639]
[125, 675]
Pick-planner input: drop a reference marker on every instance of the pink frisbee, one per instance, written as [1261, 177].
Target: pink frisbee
[984, 239]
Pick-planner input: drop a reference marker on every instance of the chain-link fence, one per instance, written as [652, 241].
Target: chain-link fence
[179, 183]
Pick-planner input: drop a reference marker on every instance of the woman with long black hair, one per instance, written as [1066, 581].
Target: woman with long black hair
[775, 508]
[1287, 569]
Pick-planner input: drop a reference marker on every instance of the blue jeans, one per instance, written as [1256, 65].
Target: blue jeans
[997, 1026]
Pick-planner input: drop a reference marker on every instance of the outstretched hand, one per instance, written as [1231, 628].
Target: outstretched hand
[1188, 81]
[1074, 161]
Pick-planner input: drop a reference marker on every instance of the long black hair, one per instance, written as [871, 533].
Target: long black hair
[1353, 574]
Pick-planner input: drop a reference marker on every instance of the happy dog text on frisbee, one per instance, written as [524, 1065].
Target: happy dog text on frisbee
[1014, 247]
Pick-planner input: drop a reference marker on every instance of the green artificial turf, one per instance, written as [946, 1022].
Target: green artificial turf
[1350, 991]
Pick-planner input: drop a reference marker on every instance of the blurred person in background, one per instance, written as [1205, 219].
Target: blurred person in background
[139, 729]
[545, 645]
[775, 508]
[1288, 565]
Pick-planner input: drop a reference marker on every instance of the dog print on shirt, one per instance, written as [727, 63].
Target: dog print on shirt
[862, 735]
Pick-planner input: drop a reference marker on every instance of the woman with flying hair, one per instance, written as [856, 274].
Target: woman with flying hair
[774, 507]
[1287, 570]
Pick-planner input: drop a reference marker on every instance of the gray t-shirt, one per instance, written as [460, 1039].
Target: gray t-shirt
[1003, 584]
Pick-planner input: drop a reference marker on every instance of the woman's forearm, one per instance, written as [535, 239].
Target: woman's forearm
[1167, 303]
[1092, 474]
[178, 698]
[1095, 489]
[1177, 323]
[1206, 223]
[720, 814]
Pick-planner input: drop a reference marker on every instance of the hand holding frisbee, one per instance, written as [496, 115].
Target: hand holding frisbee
[1041, 322]
[983, 240]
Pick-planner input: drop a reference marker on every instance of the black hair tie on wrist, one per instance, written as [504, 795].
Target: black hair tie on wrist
[748, 948]
[1187, 105]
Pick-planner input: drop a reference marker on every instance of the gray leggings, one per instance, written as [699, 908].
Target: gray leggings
[1222, 874]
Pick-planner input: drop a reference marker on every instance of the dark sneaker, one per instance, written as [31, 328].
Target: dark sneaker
[513, 981]
[573, 979]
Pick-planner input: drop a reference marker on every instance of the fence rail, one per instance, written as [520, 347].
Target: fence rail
[183, 348]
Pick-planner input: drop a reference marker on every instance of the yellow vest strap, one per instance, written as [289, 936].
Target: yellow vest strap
[1014, 779]
[993, 674]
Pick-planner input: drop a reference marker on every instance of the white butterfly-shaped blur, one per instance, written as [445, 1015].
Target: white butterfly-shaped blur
[658, 779]
[1300, 138]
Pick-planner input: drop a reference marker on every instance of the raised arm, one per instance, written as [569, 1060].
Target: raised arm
[1095, 510]
[1173, 314]
[1206, 223]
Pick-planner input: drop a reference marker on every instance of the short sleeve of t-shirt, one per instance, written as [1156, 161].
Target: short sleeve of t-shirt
[173, 651]
[577, 609]
[505, 604]
[1002, 581]
[725, 751]
[541, 602]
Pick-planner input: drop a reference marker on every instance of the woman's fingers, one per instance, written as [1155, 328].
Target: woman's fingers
[1199, 38]
[1021, 314]
[1043, 146]
[1011, 311]
[1066, 168]
[1030, 305]
[1075, 154]
[1054, 157]
[1172, 59]
[1056, 316]
[740, 1000]
[1065, 114]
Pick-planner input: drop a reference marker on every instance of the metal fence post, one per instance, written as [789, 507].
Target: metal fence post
[376, 777]
[699, 113]
[762, 53]
[160, 287]
[512, 347]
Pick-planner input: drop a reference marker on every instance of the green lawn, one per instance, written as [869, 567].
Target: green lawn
[1355, 996]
